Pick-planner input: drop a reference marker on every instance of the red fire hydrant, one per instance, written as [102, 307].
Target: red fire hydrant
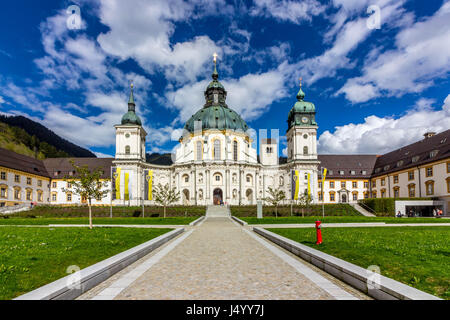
[318, 232]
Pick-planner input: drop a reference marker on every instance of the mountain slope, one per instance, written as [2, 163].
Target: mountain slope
[46, 138]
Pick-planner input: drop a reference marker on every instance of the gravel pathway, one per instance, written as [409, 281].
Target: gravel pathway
[221, 260]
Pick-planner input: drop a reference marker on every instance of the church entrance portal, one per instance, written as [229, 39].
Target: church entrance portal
[344, 198]
[217, 196]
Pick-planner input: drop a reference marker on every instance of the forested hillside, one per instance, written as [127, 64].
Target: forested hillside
[25, 135]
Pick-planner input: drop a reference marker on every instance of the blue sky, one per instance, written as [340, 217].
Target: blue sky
[375, 89]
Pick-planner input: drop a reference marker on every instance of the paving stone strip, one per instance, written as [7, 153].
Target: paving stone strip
[349, 225]
[219, 260]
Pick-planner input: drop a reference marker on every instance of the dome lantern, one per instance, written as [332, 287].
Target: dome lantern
[215, 113]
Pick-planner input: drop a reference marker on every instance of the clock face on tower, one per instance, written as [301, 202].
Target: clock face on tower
[305, 119]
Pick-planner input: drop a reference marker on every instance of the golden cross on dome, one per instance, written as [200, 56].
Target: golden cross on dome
[300, 81]
[215, 57]
[131, 84]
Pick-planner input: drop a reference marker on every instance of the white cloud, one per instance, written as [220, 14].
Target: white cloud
[422, 54]
[286, 10]
[380, 135]
[144, 34]
[103, 155]
[2, 100]
[345, 35]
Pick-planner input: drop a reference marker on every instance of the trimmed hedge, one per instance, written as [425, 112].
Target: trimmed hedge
[47, 211]
[285, 210]
[385, 207]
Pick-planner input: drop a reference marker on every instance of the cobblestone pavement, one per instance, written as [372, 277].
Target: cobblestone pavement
[220, 260]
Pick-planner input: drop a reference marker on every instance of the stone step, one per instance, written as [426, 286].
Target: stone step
[217, 211]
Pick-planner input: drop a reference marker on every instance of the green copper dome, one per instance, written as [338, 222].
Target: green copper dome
[302, 113]
[215, 114]
[217, 117]
[131, 117]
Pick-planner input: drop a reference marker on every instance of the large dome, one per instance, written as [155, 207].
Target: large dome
[217, 117]
[215, 114]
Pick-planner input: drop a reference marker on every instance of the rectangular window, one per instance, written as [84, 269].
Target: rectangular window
[54, 197]
[199, 150]
[40, 196]
[366, 195]
[331, 184]
[320, 184]
[396, 192]
[410, 175]
[17, 194]
[29, 197]
[383, 193]
[39, 183]
[374, 183]
[355, 184]
[383, 182]
[429, 172]
[17, 178]
[3, 191]
[69, 197]
[396, 178]
[331, 196]
[54, 184]
[366, 184]
[355, 196]
[374, 194]
[217, 150]
[430, 188]
[69, 185]
[448, 167]
[3, 175]
[29, 181]
[343, 184]
[411, 191]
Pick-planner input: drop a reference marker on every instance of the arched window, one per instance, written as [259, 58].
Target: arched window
[235, 150]
[305, 150]
[199, 150]
[217, 150]
[127, 149]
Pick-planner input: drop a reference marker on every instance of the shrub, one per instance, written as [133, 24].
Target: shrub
[385, 206]
[137, 213]
[285, 210]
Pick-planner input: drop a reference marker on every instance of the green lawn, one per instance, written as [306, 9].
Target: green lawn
[416, 256]
[33, 257]
[47, 221]
[281, 220]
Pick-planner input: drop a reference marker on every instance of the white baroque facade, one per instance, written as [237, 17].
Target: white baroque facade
[216, 160]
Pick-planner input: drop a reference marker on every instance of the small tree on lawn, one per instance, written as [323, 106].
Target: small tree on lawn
[165, 196]
[274, 198]
[87, 185]
[305, 201]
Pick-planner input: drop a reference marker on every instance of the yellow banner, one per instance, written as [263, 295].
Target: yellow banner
[150, 184]
[126, 193]
[309, 185]
[324, 175]
[118, 183]
[295, 184]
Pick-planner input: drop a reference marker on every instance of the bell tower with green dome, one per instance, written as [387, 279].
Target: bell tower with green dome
[130, 136]
[302, 130]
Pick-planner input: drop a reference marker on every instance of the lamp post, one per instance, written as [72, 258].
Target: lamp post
[324, 174]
